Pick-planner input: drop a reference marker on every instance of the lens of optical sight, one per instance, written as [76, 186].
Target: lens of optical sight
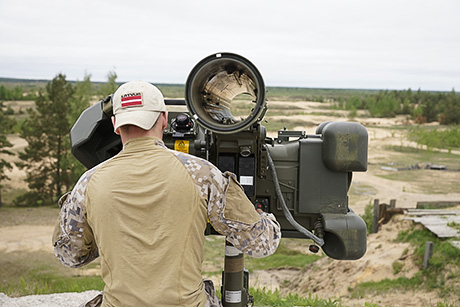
[225, 93]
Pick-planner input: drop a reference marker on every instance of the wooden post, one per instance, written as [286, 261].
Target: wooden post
[375, 225]
[382, 212]
[393, 203]
[428, 254]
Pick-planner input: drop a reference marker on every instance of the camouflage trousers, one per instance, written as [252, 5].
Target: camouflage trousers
[211, 299]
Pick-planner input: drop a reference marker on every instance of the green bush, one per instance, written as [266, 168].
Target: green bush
[368, 217]
[448, 138]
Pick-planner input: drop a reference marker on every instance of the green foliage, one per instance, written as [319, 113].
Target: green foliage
[441, 274]
[110, 86]
[51, 169]
[397, 267]
[421, 106]
[448, 138]
[435, 277]
[46, 132]
[6, 126]
[368, 217]
[438, 274]
[443, 251]
[79, 101]
[14, 93]
[454, 225]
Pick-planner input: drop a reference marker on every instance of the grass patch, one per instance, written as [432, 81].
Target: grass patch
[444, 266]
[332, 114]
[37, 282]
[214, 251]
[12, 216]
[370, 288]
[279, 108]
[280, 124]
[397, 267]
[263, 297]
[172, 90]
[282, 258]
[25, 273]
[415, 155]
[9, 194]
[441, 275]
[454, 225]
[423, 180]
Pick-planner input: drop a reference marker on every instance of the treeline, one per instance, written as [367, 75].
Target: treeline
[23, 89]
[15, 93]
[423, 107]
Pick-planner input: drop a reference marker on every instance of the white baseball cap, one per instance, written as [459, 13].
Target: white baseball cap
[137, 103]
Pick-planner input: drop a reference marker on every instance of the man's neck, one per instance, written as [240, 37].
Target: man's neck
[135, 132]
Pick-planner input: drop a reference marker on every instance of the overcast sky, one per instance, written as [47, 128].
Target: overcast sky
[390, 44]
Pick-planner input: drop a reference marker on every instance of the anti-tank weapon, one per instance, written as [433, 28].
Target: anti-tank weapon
[303, 179]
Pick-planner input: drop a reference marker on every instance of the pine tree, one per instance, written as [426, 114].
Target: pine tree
[6, 126]
[46, 132]
[78, 103]
[110, 86]
[80, 99]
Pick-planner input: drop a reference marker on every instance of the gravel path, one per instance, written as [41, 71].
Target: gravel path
[72, 299]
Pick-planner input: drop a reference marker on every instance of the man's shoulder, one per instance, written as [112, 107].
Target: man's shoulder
[200, 169]
[85, 178]
[191, 161]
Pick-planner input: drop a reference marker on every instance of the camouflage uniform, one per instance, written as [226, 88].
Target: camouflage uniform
[144, 212]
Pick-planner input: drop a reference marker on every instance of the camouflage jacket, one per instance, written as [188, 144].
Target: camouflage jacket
[80, 231]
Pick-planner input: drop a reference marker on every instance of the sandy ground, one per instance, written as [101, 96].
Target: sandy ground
[326, 278]
[31, 238]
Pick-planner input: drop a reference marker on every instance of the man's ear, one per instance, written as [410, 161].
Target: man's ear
[165, 120]
[113, 123]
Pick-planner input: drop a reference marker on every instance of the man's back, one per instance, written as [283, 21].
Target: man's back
[145, 211]
[148, 220]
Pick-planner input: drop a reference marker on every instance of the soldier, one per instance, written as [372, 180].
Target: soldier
[145, 210]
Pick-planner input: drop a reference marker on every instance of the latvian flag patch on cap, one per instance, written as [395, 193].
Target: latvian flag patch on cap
[131, 100]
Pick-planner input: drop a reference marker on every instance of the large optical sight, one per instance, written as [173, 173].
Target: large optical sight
[225, 93]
